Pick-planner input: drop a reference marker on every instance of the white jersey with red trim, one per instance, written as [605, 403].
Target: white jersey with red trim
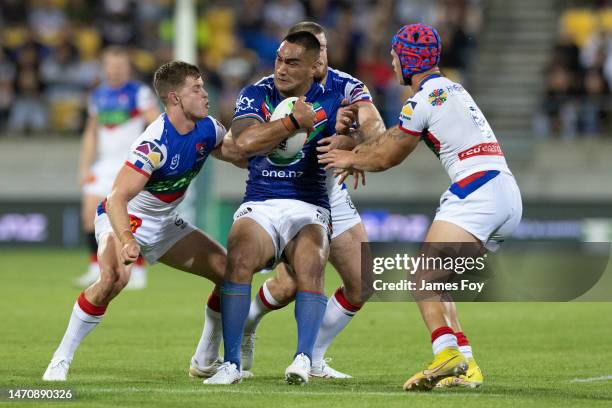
[444, 114]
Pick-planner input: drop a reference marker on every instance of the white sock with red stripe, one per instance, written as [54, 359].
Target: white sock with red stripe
[464, 345]
[212, 334]
[262, 304]
[338, 314]
[84, 318]
[442, 338]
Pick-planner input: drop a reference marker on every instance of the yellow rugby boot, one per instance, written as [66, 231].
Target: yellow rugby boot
[447, 363]
[473, 378]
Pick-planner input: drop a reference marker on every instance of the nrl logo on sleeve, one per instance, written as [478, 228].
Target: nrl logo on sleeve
[408, 109]
[151, 153]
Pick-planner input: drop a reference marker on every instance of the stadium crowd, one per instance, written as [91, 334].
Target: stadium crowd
[578, 79]
[49, 49]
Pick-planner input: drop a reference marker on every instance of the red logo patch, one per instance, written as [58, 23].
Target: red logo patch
[483, 149]
[135, 223]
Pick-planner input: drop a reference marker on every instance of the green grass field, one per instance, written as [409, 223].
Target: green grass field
[139, 355]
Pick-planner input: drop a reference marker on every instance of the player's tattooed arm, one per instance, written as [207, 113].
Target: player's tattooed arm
[88, 150]
[394, 146]
[253, 137]
[128, 184]
[228, 152]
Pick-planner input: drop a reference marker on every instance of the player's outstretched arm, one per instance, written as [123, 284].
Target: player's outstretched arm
[389, 150]
[228, 152]
[253, 138]
[128, 184]
[371, 125]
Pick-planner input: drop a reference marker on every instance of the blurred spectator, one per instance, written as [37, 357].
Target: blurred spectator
[28, 112]
[50, 53]
[7, 77]
[577, 98]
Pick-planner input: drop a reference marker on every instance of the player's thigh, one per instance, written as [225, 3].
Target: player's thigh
[89, 204]
[345, 255]
[249, 246]
[445, 231]
[199, 254]
[307, 253]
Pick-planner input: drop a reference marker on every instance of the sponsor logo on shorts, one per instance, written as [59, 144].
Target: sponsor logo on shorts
[178, 221]
[244, 212]
[483, 149]
[350, 202]
[135, 223]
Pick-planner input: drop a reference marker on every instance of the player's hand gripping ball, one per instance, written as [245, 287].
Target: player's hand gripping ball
[293, 144]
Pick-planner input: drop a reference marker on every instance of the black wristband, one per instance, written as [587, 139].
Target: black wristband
[294, 121]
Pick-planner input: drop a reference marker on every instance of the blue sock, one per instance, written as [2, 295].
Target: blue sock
[309, 311]
[235, 302]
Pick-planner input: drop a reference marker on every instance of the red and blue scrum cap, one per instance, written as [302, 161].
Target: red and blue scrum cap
[418, 47]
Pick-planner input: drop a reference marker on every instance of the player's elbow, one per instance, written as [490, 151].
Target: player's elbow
[116, 199]
[245, 148]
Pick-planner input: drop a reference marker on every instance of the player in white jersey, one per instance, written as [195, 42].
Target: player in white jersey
[138, 216]
[118, 111]
[348, 231]
[483, 204]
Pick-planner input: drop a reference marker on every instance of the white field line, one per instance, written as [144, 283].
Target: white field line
[592, 379]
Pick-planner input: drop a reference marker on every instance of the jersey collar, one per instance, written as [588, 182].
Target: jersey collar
[427, 78]
[315, 90]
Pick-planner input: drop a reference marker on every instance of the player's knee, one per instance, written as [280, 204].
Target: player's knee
[239, 267]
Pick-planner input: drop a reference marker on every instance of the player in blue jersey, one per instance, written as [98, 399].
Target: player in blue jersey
[118, 111]
[286, 212]
[139, 217]
[348, 231]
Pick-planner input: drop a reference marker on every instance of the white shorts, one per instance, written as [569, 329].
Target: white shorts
[491, 212]
[104, 177]
[283, 219]
[155, 235]
[343, 212]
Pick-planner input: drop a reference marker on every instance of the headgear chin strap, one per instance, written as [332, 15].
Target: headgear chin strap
[418, 47]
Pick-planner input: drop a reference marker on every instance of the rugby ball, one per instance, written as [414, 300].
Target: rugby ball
[291, 146]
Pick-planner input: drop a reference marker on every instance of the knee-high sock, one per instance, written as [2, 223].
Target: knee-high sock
[262, 304]
[235, 300]
[338, 314]
[464, 345]
[309, 311]
[442, 338]
[212, 334]
[84, 318]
